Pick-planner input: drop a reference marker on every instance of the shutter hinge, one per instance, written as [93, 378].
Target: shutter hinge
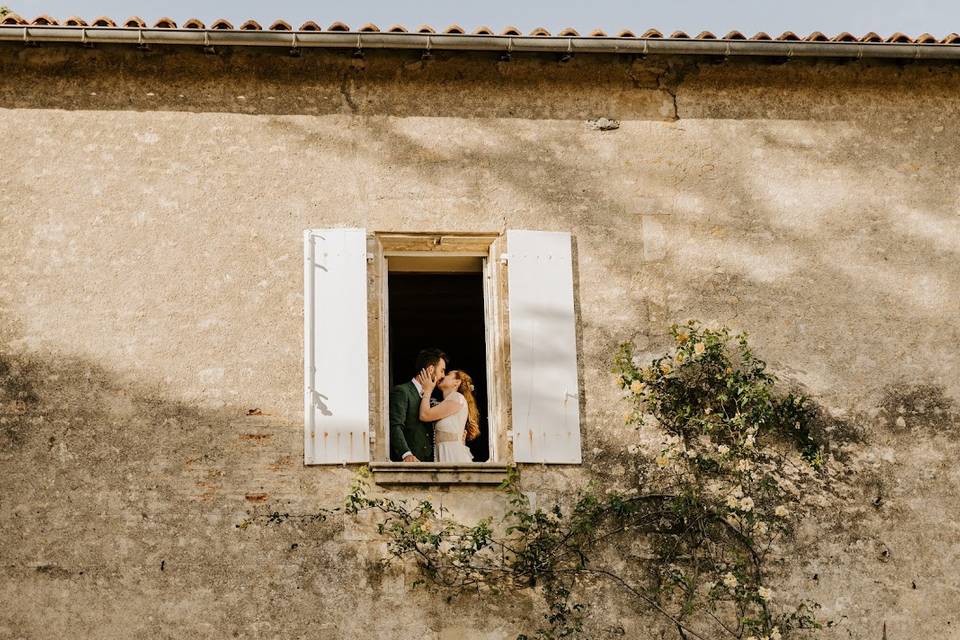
[504, 258]
[369, 257]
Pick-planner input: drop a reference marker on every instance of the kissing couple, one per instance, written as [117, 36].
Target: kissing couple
[425, 431]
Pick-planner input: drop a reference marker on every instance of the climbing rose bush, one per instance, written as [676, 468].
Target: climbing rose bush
[698, 535]
[742, 468]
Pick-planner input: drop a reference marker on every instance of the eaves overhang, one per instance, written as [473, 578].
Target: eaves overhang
[503, 44]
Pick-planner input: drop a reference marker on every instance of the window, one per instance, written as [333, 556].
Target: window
[500, 305]
[438, 302]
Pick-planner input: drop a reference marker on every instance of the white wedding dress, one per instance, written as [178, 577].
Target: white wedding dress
[448, 435]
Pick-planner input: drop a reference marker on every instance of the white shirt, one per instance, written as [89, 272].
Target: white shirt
[419, 387]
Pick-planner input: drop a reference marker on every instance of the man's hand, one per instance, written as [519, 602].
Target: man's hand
[410, 458]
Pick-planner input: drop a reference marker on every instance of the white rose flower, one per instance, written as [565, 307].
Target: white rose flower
[723, 449]
[730, 581]
[747, 504]
[775, 634]
[781, 511]
[732, 502]
[764, 593]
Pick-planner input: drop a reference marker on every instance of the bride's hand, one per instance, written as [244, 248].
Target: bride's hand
[426, 381]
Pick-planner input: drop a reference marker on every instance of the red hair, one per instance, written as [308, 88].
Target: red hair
[473, 414]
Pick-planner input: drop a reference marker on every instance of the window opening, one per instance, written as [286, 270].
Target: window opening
[439, 302]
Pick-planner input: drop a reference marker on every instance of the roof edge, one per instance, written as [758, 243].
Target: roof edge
[462, 42]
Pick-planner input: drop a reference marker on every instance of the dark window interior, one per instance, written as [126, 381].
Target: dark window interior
[443, 310]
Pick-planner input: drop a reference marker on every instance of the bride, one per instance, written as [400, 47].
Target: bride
[457, 418]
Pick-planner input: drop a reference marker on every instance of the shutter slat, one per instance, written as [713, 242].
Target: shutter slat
[545, 394]
[336, 400]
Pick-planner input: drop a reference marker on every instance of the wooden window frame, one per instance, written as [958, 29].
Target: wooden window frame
[383, 245]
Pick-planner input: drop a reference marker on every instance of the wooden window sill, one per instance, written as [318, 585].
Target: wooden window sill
[393, 473]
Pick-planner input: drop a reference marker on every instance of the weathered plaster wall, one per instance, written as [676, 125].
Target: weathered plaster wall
[151, 210]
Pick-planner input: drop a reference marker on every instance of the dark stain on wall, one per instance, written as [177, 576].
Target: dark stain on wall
[906, 407]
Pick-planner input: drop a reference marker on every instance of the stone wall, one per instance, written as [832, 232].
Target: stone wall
[152, 207]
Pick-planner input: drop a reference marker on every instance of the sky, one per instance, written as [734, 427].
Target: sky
[913, 17]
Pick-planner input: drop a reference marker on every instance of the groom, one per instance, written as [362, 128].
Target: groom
[410, 439]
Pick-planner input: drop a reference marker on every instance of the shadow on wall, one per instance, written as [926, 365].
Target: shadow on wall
[121, 505]
[747, 242]
[121, 510]
[75, 421]
[266, 81]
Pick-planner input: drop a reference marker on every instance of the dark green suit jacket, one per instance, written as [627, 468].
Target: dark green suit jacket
[407, 432]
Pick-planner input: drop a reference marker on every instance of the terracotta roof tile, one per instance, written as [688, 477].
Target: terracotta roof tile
[12, 19]
[844, 36]
[900, 37]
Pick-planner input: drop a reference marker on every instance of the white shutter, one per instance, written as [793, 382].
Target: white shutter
[545, 396]
[336, 403]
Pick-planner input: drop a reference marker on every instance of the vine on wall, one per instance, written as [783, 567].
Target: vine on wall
[698, 542]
